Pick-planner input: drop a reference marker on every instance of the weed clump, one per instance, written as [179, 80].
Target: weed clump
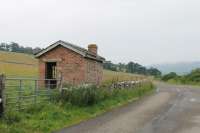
[91, 94]
[11, 117]
[81, 96]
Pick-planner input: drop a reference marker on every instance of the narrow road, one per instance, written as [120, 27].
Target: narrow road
[173, 109]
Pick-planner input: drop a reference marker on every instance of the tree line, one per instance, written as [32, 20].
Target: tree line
[191, 78]
[15, 47]
[132, 67]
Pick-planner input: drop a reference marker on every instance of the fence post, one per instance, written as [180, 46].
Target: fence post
[36, 91]
[2, 95]
[19, 94]
[48, 89]
[61, 83]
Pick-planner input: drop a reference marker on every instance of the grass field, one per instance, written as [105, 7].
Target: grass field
[18, 57]
[22, 67]
[18, 65]
[48, 116]
[119, 76]
[51, 116]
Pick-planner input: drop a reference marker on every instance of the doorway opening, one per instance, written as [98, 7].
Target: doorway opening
[51, 75]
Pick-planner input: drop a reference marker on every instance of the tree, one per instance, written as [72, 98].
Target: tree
[36, 50]
[110, 66]
[194, 76]
[154, 71]
[130, 67]
[14, 47]
[171, 75]
[3, 46]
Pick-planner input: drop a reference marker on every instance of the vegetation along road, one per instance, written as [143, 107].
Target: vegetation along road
[173, 109]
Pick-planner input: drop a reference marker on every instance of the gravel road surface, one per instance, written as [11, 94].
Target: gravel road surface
[173, 109]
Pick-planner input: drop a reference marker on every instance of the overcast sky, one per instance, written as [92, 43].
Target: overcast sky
[144, 31]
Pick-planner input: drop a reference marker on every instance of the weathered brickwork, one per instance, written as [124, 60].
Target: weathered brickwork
[73, 67]
[94, 72]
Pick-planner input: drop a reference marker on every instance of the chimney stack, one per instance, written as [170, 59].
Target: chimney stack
[92, 48]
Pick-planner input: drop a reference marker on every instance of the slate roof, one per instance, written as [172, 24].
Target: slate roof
[84, 52]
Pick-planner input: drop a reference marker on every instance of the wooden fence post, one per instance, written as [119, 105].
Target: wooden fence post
[2, 97]
[19, 94]
[48, 89]
[61, 83]
[35, 92]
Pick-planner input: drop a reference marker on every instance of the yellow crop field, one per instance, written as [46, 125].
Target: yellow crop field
[17, 57]
[18, 65]
[120, 76]
[18, 70]
[21, 67]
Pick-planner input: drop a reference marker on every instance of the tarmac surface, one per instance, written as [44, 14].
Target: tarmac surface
[172, 109]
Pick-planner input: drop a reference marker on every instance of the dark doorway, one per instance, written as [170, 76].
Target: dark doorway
[51, 75]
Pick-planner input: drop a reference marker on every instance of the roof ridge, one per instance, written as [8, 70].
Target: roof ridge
[72, 44]
[84, 52]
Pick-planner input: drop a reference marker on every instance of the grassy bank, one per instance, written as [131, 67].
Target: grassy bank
[55, 115]
[175, 82]
[192, 78]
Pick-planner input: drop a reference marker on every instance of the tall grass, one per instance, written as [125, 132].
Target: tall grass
[69, 107]
[90, 95]
[18, 57]
[51, 116]
[120, 76]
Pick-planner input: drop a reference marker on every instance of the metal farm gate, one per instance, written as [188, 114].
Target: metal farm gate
[20, 93]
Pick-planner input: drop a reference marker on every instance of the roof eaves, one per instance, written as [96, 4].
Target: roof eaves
[62, 43]
[46, 50]
[97, 58]
[73, 47]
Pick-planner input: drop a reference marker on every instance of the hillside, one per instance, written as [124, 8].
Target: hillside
[24, 65]
[17, 64]
[120, 76]
[180, 68]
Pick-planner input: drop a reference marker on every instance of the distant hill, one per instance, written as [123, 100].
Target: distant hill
[180, 68]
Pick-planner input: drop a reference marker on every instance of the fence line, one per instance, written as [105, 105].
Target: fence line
[127, 84]
[20, 93]
[19, 63]
[2, 89]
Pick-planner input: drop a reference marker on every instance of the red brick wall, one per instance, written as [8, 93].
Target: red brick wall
[94, 72]
[75, 69]
[69, 64]
[41, 69]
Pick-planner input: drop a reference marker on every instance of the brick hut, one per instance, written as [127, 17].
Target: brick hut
[74, 64]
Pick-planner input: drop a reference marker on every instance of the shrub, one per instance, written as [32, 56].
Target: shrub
[81, 96]
[192, 78]
[90, 95]
[31, 109]
[12, 116]
[169, 76]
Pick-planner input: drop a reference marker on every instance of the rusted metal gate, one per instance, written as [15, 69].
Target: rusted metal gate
[2, 88]
[20, 93]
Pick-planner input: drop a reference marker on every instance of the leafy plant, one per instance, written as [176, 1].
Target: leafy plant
[81, 96]
[11, 117]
